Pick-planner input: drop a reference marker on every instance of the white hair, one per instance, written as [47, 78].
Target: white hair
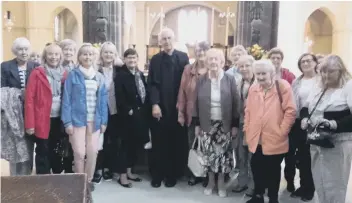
[21, 41]
[166, 31]
[239, 48]
[67, 42]
[264, 63]
[216, 52]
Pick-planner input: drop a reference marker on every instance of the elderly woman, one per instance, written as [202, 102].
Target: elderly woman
[14, 74]
[133, 105]
[269, 114]
[85, 111]
[329, 109]
[299, 148]
[68, 47]
[187, 95]
[245, 179]
[235, 53]
[216, 119]
[42, 110]
[109, 63]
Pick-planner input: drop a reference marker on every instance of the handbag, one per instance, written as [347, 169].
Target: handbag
[319, 134]
[196, 161]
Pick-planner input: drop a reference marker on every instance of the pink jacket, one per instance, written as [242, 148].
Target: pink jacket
[269, 120]
[186, 94]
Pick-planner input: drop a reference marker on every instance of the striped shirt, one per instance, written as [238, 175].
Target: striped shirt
[22, 74]
[91, 97]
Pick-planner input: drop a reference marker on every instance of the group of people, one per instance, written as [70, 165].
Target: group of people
[255, 114]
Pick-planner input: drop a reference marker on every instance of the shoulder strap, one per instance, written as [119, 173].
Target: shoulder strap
[321, 96]
[278, 90]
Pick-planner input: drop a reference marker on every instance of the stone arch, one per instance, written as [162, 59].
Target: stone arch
[68, 25]
[319, 31]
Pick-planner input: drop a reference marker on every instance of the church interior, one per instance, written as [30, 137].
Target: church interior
[319, 27]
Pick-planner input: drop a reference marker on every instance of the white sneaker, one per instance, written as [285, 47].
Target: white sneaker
[208, 191]
[222, 193]
[148, 145]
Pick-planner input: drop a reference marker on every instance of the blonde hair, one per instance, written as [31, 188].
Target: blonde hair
[336, 61]
[45, 51]
[264, 63]
[117, 60]
[85, 47]
[215, 52]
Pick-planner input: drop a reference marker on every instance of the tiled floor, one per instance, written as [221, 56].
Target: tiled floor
[111, 192]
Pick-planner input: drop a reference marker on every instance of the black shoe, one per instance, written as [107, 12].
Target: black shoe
[307, 196]
[91, 186]
[239, 189]
[135, 179]
[156, 183]
[290, 186]
[107, 175]
[129, 185]
[256, 199]
[273, 201]
[97, 178]
[170, 182]
[298, 193]
[194, 181]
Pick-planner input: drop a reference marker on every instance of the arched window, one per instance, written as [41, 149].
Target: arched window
[192, 26]
[57, 29]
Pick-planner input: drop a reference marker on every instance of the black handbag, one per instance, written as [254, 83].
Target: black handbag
[320, 134]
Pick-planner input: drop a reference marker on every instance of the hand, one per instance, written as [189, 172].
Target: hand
[102, 129]
[181, 120]
[69, 130]
[304, 123]
[234, 132]
[197, 131]
[130, 112]
[30, 131]
[330, 124]
[156, 112]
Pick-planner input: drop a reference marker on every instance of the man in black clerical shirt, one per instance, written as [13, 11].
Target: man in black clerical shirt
[170, 149]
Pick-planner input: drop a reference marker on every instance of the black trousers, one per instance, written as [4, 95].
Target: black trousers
[134, 134]
[47, 158]
[106, 156]
[290, 159]
[300, 153]
[168, 157]
[266, 171]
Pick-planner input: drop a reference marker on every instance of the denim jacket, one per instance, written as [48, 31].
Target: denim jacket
[74, 104]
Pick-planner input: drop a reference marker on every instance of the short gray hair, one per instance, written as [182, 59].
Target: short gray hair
[266, 63]
[19, 41]
[67, 42]
[246, 58]
[239, 48]
[166, 30]
[45, 51]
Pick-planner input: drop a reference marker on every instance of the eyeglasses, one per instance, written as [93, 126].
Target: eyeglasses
[306, 61]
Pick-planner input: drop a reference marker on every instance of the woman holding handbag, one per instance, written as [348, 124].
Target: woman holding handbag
[216, 119]
[328, 121]
[186, 96]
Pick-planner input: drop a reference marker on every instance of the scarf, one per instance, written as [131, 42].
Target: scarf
[55, 79]
[88, 73]
[139, 83]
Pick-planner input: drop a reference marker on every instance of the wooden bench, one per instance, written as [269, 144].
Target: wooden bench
[65, 188]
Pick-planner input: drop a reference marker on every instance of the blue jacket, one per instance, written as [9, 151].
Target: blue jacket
[74, 104]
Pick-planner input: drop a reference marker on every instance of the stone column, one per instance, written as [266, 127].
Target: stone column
[102, 22]
[257, 22]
